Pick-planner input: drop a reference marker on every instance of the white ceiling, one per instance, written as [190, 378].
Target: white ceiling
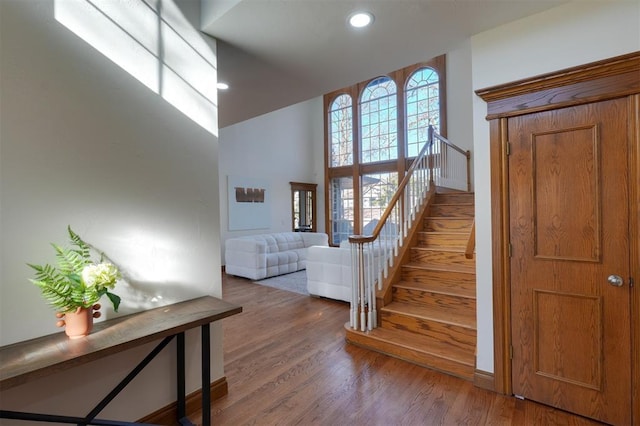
[274, 53]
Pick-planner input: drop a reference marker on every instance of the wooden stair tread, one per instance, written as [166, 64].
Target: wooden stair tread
[447, 224]
[451, 249]
[453, 196]
[442, 238]
[448, 203]
[442, 315]
[447, 218]
[452, 232]
[439, 287]
[423, 344]
[452, 268]
[453, 362]
[453, 207]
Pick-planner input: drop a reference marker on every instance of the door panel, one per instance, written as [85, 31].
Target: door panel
[569, 217]
[559, 210]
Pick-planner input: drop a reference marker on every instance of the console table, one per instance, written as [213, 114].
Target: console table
[24, 361]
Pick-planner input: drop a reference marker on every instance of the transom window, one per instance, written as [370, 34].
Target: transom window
[367, 157]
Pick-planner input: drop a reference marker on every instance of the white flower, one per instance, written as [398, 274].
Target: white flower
[101, 275]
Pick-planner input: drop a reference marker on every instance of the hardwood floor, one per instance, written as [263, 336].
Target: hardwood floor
[287, 363]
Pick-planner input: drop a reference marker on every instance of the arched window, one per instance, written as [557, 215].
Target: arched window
[422, 106]
[341, 131]
[379, 121]
[373, 128]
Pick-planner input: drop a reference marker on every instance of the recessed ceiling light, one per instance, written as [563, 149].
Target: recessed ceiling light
[360, 19]
[222, 86]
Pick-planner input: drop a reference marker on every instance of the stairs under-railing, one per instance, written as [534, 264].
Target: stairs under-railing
[439, 164]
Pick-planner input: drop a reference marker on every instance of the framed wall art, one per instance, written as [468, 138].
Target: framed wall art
[249, 201]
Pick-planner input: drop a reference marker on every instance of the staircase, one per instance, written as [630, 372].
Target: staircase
[431, 320]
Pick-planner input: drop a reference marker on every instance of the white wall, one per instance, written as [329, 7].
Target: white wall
[280, 147]
[459, 99]
[83, 143]
[566, 36]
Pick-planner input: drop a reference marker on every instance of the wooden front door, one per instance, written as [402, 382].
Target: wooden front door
[569, 234]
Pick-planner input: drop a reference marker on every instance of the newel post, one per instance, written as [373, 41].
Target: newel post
[430, 154]
[363, 315]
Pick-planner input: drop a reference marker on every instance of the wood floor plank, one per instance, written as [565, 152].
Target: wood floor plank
[287, 363]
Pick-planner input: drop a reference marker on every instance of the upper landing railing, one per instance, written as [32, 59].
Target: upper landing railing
[439, 164]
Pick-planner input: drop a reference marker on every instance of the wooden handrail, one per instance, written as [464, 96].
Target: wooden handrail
[405, 181]
[399, 192]
[457, 148]
[471, 242]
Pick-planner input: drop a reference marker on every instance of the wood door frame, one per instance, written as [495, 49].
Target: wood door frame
[617, 77]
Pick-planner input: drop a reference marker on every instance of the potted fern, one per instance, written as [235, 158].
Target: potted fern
[75, 286]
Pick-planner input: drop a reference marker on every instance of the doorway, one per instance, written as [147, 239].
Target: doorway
[565, 217]
[569, 228]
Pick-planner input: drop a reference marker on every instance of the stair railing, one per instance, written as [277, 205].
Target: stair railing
[439, 163]
[451, 165]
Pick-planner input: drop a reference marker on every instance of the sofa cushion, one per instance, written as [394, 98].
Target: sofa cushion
[281, 258]
[283, 242]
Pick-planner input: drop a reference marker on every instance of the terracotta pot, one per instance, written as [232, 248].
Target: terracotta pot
[79, 323]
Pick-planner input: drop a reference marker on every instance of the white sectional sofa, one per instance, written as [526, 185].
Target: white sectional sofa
[266, 255]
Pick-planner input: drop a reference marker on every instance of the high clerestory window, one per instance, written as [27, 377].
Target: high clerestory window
[373, 130]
